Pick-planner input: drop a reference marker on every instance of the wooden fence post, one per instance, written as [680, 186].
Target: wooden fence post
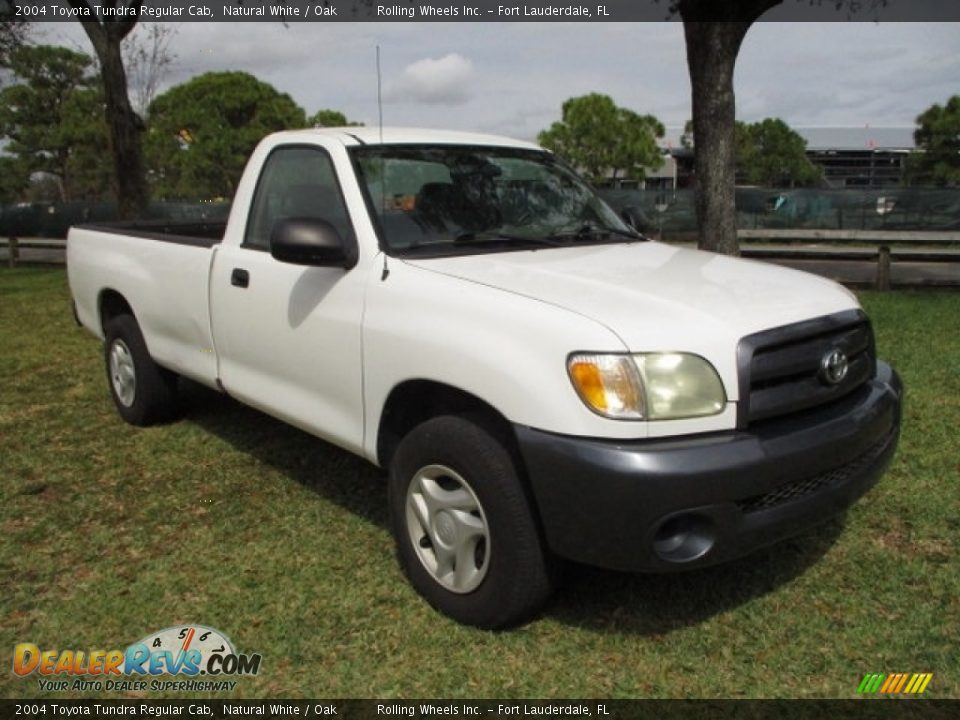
[13, 251]
[883, 268]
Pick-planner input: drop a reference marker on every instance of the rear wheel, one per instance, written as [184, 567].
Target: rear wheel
[465, 532]
[143, 392]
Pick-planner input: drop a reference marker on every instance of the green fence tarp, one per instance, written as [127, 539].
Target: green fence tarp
[52, 220]
[887, 209]
[672, 211]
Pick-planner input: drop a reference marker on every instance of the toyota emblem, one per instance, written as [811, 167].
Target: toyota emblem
[834, 367]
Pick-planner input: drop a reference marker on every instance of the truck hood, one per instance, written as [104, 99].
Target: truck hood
[657, 297]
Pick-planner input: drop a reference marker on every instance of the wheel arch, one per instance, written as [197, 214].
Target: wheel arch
[413, 402]
[111, 304]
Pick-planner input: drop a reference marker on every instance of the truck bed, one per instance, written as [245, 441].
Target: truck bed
[200, 234]
[162, 270]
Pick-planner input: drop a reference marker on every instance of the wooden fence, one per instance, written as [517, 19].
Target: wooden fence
[880, 246]
[15, 245]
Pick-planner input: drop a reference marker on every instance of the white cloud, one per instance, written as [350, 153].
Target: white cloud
[441, 81]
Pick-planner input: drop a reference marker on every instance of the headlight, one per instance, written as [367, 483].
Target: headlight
[652, 386]
[679, 385]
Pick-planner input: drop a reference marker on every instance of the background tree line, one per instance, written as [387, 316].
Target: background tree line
[713, 32]
[607, 143]
[199, 134]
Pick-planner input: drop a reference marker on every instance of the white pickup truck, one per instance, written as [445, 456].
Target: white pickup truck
[540, 380]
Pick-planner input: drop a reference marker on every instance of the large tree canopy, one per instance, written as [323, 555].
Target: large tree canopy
[203, 131]
[938, 140]
[605, 141]
[52, 120]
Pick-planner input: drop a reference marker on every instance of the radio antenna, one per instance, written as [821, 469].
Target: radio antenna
[383, 178]
[379, 96]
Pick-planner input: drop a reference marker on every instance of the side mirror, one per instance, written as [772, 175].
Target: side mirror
[310, 241]
[635, 218]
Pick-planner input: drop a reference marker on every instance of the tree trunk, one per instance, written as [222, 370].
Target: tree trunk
[124, 125]
[712, 49]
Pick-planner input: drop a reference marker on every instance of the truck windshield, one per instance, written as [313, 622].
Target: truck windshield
[456, 199]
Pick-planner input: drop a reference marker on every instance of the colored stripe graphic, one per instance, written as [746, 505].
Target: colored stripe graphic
[895, 683]
[870, 683]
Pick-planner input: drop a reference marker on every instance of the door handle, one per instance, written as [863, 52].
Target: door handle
[240, 278]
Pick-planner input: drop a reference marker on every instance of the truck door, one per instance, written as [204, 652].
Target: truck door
[288, 336]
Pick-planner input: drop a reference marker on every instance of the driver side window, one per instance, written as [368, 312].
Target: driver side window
[296, 182]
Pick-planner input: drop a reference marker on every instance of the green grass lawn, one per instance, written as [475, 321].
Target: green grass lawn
[231, 519]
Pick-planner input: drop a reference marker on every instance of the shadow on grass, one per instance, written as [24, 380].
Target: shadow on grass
[337, 475]
[588, 597]
[654, 604]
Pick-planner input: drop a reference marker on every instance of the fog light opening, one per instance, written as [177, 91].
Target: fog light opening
[684, 538]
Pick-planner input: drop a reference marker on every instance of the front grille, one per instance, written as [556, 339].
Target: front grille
[801, 488]
[780, 369]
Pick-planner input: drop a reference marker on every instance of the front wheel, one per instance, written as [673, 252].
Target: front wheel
[465, 532]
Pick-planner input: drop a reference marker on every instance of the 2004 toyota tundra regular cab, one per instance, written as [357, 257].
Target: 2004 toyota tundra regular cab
[540, 380]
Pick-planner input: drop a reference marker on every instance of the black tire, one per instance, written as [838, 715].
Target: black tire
[509, 571]
[128, 363]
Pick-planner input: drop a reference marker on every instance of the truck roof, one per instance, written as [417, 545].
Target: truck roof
[400, 135]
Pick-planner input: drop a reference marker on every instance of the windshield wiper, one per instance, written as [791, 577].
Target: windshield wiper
[588, 231]
[487, 238]
[479, 242]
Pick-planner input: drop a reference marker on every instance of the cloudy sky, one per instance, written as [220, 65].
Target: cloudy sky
[511, 78]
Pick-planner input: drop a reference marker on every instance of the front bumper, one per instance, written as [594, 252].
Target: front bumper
[668, 504]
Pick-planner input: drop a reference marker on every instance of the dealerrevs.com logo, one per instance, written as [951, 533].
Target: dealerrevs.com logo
[186, 650]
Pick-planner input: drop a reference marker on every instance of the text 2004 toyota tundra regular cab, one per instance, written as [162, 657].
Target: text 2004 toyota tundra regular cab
[540, 380]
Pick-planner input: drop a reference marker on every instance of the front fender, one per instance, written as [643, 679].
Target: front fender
[506, 349]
